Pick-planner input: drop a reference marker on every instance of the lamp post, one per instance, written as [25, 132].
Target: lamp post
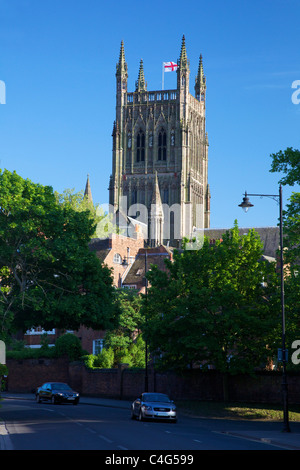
[245, 205]
[146, 344]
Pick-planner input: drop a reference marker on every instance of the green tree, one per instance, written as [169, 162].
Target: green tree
[287, 162]
[126, 340]
[77, 201]
[49, 277]
[68, 345]
[214, 306]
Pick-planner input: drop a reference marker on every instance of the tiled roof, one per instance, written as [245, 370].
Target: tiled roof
[101, 246]
[269, 236]
[136, 273]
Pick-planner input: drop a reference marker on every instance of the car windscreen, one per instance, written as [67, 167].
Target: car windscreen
[156, 397]
[60, 386]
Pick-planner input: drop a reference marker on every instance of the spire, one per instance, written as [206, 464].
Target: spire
[156, 199]
[88, 192]
[200, 82]
[200, 76]
[183, 61]
[156, 216]
[121, 65]
[140, 84]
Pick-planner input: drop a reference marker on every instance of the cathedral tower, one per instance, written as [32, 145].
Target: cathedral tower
[160, 151]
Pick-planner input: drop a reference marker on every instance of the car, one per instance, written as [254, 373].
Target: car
[154, 406]
[56, 392]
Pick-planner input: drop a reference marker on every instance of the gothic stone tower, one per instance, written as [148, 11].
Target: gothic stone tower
[160, 147]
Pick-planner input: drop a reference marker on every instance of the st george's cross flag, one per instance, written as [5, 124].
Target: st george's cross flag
[170, 66]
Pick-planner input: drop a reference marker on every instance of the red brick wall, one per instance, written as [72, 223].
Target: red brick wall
[26, 375]
[87, 336]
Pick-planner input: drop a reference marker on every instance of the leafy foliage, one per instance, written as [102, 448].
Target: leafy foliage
[288, 163]
[103, 222]
[214, 307]
[123, 339]
[68, 345]
[125, 343]
[49, 277]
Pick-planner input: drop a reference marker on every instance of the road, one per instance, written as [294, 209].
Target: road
[33, 426]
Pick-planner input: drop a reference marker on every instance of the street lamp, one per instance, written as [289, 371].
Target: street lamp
[245, 205]
[146, 343]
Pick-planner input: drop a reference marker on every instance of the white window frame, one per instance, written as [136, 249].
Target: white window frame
[98, 344]
[117, 258]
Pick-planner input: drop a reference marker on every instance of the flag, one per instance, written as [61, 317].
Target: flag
[170, 66]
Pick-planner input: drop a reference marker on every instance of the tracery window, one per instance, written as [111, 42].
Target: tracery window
[140, 146]
[162, 145]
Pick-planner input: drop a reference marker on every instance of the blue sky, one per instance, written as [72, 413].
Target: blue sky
[58, 61]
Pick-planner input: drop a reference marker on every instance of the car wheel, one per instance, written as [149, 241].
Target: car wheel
[141, 416]
[53, 401]
[38, 398]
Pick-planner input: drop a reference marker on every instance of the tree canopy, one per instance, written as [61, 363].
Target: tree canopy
[126, 340]
[77, 201]
[214, 306]
[287, 162]
[49, 277]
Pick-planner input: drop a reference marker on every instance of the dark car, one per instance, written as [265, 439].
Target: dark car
[154, 406]
[57, 392]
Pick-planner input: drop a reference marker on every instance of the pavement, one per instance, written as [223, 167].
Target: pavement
[274, 436]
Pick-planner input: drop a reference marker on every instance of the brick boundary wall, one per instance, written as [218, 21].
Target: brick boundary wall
[26, 375]
[123, 383]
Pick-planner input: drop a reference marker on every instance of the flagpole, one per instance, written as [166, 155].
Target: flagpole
[163, 75]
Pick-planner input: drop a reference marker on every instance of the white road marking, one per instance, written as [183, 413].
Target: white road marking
[105, 438]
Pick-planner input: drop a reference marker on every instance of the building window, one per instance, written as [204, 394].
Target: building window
[165, 196]
[140, 147]
[98, 345]
[162, 145]
[133, 196]
[117, 258]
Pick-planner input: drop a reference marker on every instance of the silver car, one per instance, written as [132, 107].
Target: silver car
[154, 406]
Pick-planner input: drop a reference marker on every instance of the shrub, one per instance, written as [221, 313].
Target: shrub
[68, 345]
[89, 360]
[105, 359]
[29, 353]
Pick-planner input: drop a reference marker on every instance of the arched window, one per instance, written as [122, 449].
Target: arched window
[117, 258]
[162, 145]
[140, 147]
